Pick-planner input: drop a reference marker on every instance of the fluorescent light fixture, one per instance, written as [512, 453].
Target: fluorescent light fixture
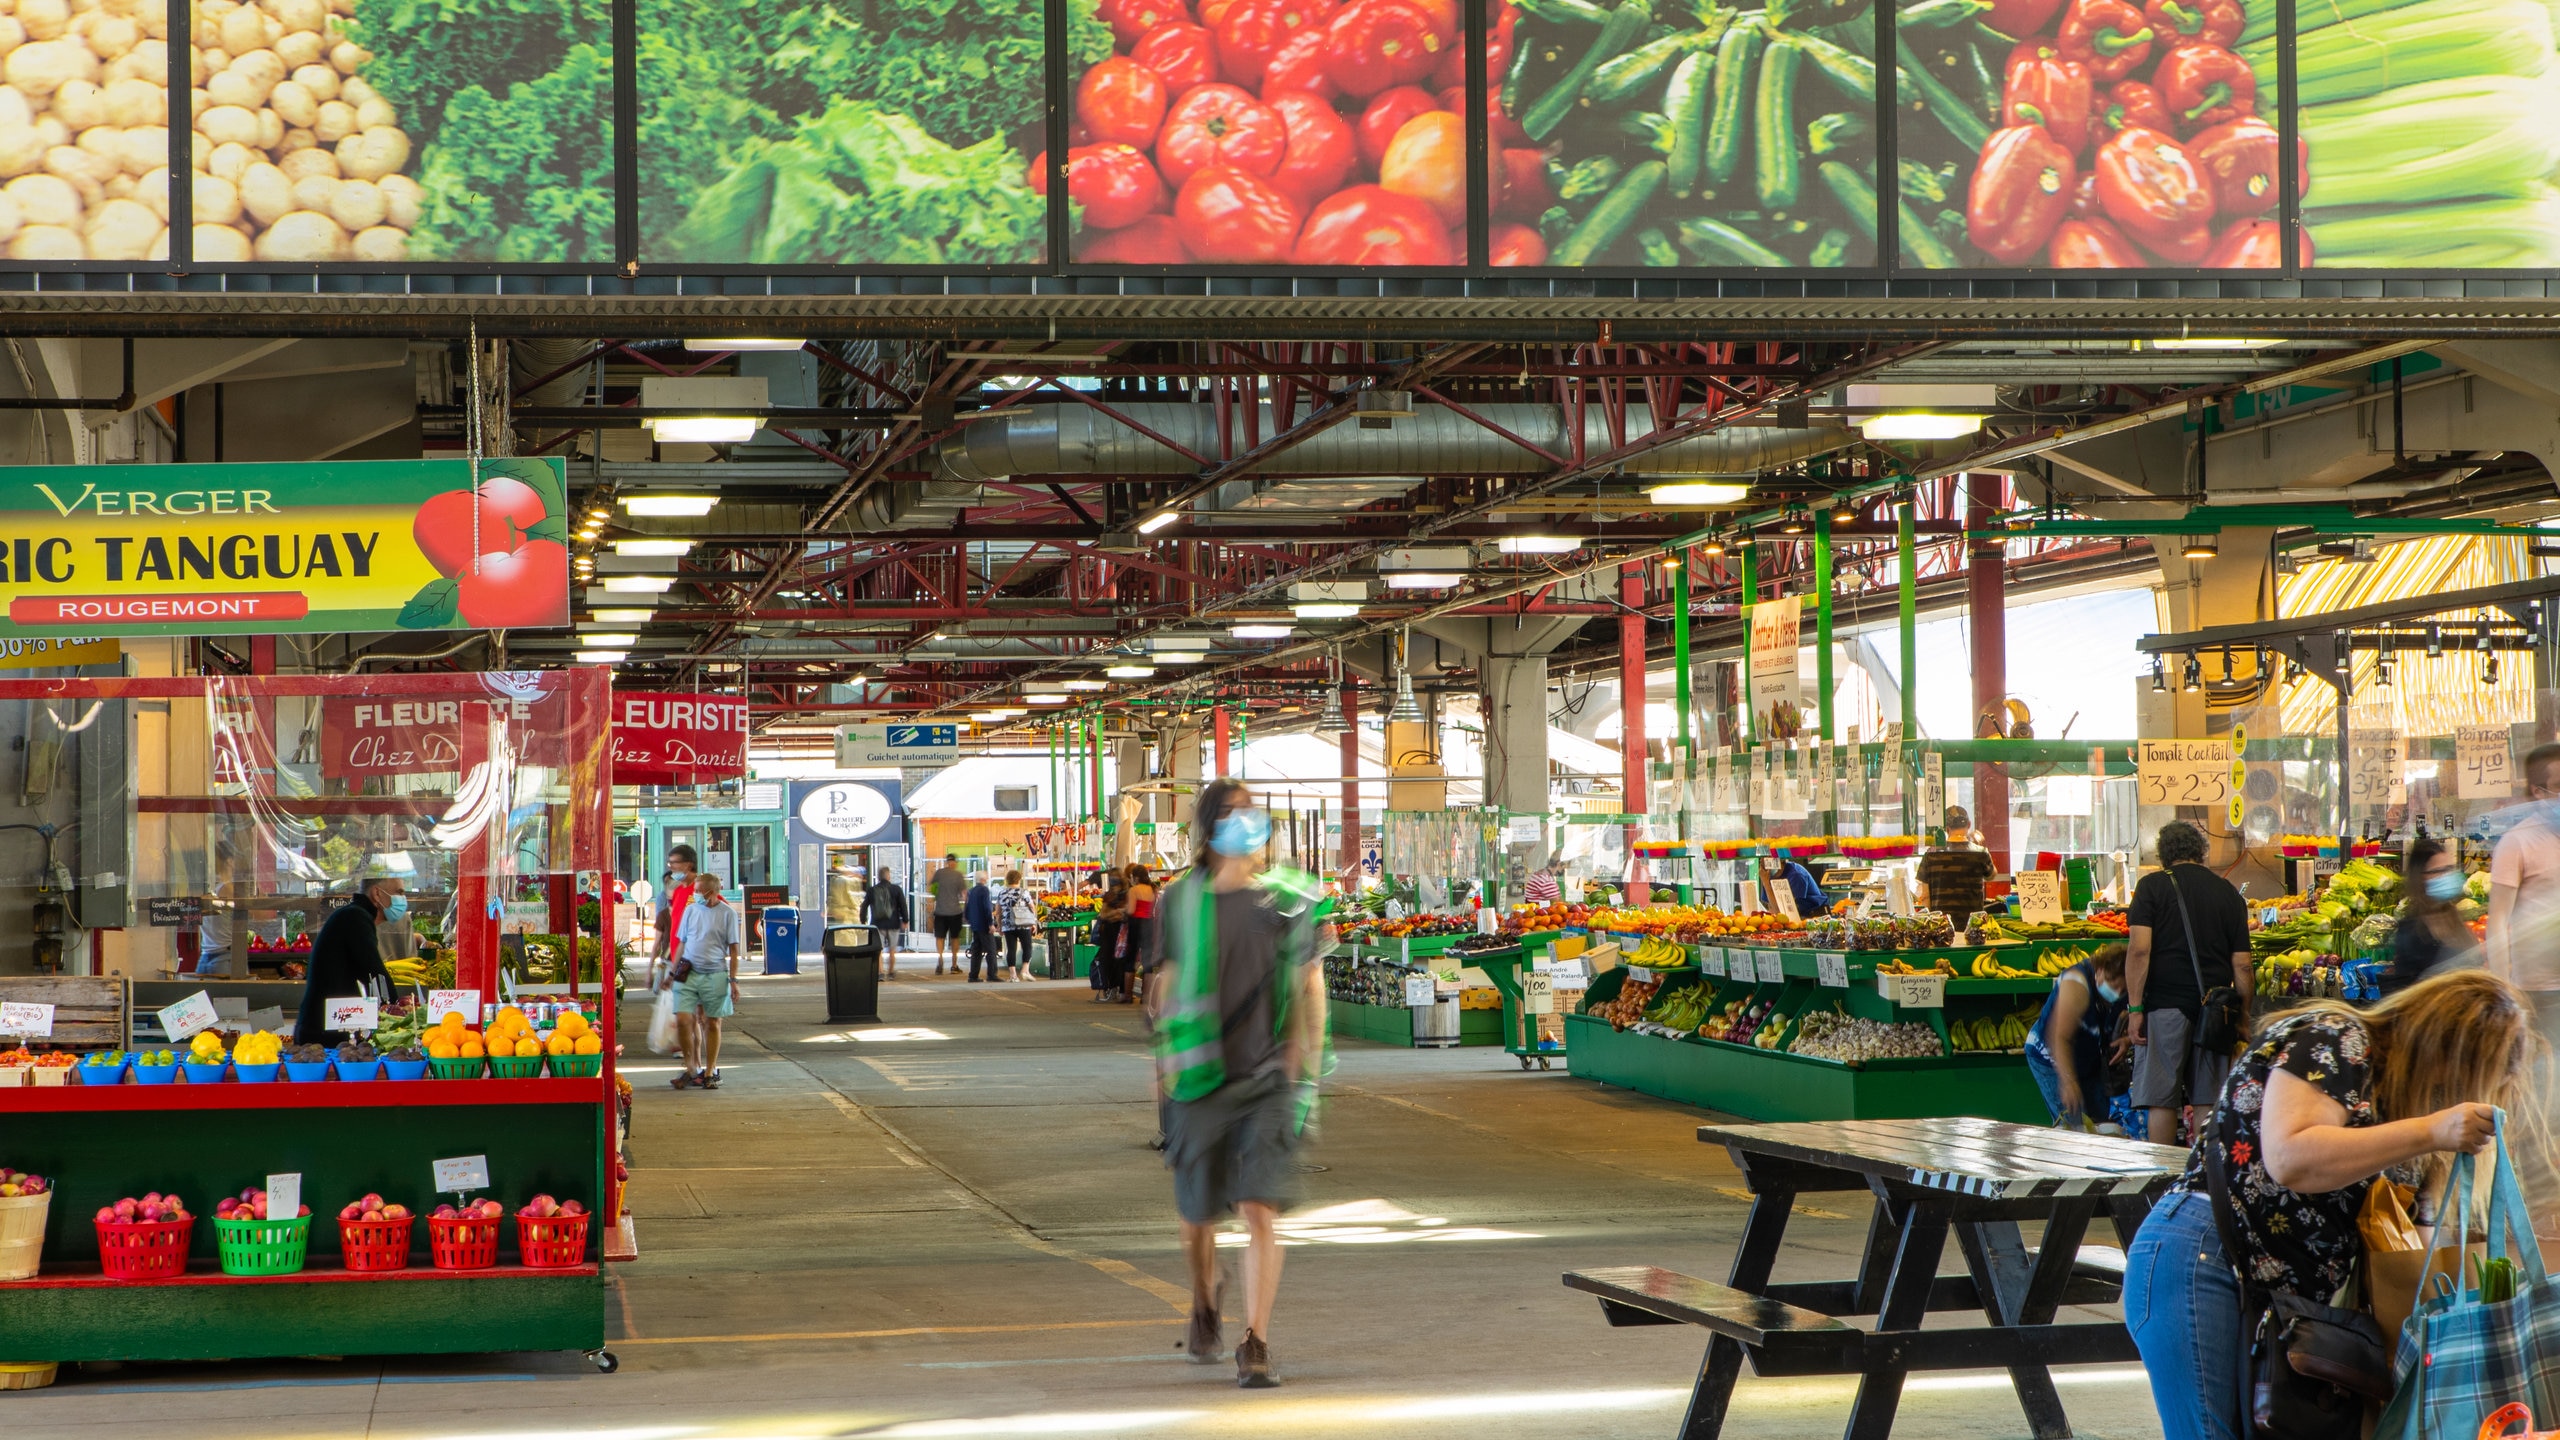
[1335, 591]
[1539, 544]
[1039, 687]
[1699, 492]
[639, 584]
[1162, 643]
[1130, 672]
[608, 637]
[1421, 579]
[1181, 657]
[1084, 684]
[652, 547]
[685, 505]
[1427, 557]
[1918, 425]
[2211, 342]
[623, 617]
[714, 347]
[1325, 611]
[704, 430]
[983, 716]
[603, 657]
[1251, 631]
[1158, 521]
[1046, 699]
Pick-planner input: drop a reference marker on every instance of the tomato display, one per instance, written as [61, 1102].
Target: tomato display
[1232, 132]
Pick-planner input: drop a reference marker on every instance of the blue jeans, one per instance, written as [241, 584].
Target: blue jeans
[2183, 1307]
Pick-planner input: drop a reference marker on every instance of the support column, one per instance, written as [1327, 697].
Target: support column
[1907, 629]
[1181, 750]
[1128, 764]
[1637, 775]
[1515, 737]
[1350, 772]
[1986, 596]
[1680, 660]
[1823, 680]
[1219, 721]
[1750, 592]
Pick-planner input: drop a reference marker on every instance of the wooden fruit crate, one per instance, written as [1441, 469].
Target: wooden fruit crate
[90, 1012]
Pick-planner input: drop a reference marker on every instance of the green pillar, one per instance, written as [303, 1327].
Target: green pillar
[1680, 658]
[1051, 733]
[1101, 813]
[1750, 601]
[1906, 568]
[1822, 616]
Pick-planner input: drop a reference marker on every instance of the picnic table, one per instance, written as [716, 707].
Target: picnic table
[1931, 1178]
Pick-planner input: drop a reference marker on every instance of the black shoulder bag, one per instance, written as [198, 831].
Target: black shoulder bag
[2223, 1015]
[2309, 1368]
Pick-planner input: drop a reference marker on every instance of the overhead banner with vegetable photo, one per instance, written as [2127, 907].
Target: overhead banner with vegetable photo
[2430, 131]
[2090, 135]
[385, 131]
[1272, 132]
[84, 137]
[846, 132]
[1686, 133]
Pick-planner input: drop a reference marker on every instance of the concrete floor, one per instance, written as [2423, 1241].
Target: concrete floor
[951, 1225]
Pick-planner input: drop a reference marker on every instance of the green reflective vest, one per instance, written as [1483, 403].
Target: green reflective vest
[1191, 1051]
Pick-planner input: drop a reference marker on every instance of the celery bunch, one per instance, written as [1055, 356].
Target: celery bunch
[2441, 140]
[2410, 45]
[2499, 233]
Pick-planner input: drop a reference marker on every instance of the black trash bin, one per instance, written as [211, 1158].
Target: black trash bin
[853, 974]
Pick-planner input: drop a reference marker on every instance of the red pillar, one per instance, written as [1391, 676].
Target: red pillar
[1218, 730]
[1986, 598]
[1350, 772]
[1638, 763]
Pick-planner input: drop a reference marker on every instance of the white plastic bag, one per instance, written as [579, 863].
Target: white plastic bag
[662, 1022]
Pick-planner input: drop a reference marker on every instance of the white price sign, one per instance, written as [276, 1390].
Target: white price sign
[26, 1020]
[1914, 992]
[1528, 829]
[2183, 772]
[1832, 970]
[462, 1172]
[1538, 993]
[284, 1196]
[2484, 763]
[2375, 775]
[1782, 896]
[465, 1003]
[1772, 970]
[1711, 961]
[188, 1016]
[1420, 993]
[353, 1012]
[2040, 896]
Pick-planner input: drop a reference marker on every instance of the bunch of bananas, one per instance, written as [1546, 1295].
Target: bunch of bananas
[1986, 967]
[1994, 1032]
[1657, 953]
[1903, 967]
[408, 972]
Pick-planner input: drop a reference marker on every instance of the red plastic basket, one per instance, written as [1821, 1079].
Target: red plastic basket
[553, 1244]
[459, 1244]
[376, 1244]
[155, 1250]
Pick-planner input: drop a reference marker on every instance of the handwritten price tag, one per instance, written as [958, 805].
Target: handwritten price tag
[1538, 993]
[441, 1003]
[284, 1195]
[2484, 758]
[1914, 992]
[2040, 896]
[2183, 772]
[188, 1016]
[26, 1020]
[1711, 961]
[1832, 970]
[355, 1012]
[462, 1172]
[1772, 970]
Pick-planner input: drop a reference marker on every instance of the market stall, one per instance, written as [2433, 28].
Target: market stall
[500, 1110]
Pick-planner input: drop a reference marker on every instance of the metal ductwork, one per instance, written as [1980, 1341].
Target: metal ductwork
[1080, 440]
[938, 501]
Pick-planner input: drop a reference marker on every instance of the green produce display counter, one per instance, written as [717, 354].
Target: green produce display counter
[100, 1144]
[1518, 1027]
[1393, 1024]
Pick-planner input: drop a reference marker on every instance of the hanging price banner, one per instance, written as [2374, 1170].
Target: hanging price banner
[2375, 774]
[2183, 772]
[2484, 763]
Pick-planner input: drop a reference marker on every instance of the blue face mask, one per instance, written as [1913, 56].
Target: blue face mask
[2109, 993]
[1241, 832]
[398, 909]
[2445, 885]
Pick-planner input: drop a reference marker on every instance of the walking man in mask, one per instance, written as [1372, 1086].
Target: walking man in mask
[1240, 1042]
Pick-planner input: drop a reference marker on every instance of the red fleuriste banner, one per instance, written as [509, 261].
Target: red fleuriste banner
[678, 739]
[362, 738]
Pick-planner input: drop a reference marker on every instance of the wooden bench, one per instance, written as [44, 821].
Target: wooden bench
[1651, 1295]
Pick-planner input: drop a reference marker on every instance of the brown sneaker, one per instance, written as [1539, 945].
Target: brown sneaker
[1253, 1364]
[1204, 1342]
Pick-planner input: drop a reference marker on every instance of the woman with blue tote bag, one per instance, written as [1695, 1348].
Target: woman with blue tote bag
[2325, 1099]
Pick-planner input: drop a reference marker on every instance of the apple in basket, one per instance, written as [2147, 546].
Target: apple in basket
[476, 1210]
[152, 1209]
[252, 1205]
[543, 1207]
[19, 1182]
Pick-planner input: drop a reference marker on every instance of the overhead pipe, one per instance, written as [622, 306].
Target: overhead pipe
[1433, 440]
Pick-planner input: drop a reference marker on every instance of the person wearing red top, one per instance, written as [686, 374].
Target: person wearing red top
[679, 893]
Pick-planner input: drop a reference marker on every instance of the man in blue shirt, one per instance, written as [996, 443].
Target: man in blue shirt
[978, 912]
[1808, 894]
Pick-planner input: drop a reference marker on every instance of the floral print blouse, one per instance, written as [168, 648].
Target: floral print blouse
[2305, 1244]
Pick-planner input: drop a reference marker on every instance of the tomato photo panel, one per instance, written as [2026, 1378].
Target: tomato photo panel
[2430, 132]
[1684, 133]
[857, 132]
[2087, 135]
[1289, 133]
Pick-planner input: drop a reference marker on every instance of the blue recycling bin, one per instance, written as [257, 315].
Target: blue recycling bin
[781, 940]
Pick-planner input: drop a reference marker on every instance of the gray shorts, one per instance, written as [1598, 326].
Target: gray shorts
[2170, 1071]
[1238, 1142]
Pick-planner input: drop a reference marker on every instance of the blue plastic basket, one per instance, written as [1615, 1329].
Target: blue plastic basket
[359, 1069]
[156, 1074]
[256, 1074]
[305, 1071]
[404, 1069]
[202, 1074]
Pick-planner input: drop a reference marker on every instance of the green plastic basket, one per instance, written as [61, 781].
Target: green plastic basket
[515, 1067]
[263, 1247]
[576, 1067]
[457, 1068]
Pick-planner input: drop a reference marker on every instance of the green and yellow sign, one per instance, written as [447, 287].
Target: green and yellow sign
[106, 550]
